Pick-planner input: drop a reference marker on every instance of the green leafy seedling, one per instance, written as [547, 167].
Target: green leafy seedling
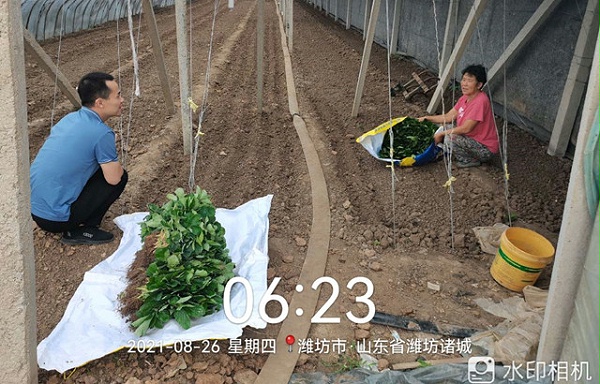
[192, 264]
[410, 137]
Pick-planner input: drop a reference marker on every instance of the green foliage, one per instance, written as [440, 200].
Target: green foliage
[411, 137]
[347, 361]
[512, 216]
[192, 264]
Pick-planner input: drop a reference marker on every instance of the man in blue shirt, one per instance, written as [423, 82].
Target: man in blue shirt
[76, 176]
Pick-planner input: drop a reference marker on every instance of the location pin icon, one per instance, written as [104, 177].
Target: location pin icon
[289, 340]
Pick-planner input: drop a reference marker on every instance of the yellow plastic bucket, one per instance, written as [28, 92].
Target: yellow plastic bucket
[521, 257]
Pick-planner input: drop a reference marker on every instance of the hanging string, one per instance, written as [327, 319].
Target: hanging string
[55, 91]
[120, 124]
[204, 103]
[135, 83]
[133, 48]
[447, 147]
[504, 141]
[391, 131]
[192, 105]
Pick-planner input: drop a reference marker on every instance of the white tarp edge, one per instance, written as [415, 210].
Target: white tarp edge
[92, 325]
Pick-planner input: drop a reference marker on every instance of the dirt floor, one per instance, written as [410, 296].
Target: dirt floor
[400, 239]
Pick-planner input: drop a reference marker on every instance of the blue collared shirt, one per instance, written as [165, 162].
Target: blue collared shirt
[73, 152]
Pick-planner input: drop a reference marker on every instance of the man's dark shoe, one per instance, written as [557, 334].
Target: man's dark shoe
[87, 235]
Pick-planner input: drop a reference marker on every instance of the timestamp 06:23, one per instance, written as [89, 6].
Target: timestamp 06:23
[318, 318]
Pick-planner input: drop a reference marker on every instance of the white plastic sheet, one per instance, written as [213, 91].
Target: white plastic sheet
[92, 325]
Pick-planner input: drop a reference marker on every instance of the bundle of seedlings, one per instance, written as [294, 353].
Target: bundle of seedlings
[183, 267]
[411, 137]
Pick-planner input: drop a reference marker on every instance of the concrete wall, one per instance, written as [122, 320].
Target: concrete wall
[534, 78]
[17, 266]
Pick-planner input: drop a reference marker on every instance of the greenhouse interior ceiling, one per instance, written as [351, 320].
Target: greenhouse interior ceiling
[51, 18]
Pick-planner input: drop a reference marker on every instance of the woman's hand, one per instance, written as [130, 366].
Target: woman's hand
[439, 137]
[422, 118]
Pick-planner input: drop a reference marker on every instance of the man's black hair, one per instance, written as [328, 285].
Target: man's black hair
[93, 86]
[478, 71]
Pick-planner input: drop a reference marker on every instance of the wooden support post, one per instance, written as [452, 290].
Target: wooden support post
[184, 74]
[576, 82]
[46, 63]
[526, 33]
[451, 21]
[348, 14]
[366, 57]
[461, 45]
[574, 239]
[260, 49]
[158, 55]
[395, 26]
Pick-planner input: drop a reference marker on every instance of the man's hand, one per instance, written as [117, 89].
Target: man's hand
[422, 118]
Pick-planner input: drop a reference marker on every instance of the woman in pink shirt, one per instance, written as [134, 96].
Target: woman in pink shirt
[474, 138]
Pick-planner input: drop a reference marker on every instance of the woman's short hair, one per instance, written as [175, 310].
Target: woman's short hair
[478, 71]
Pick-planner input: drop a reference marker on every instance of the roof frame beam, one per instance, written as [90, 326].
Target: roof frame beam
[455, 56]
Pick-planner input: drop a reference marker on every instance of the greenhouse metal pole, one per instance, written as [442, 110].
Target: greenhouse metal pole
[461, 45]
[574, 239]
[336, 10]
[522, 38]
[449, 33]
[366, 57]
[395, 26]
[348, 12]
[290, 25]
[184, 74]
[368, 6]
[18, 364]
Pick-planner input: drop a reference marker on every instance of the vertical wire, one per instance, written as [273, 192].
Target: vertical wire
[204, 103]
[190, 116]
[391, 131]
[120, 124]
[135, 83]
[504, 144]
[447, 147]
